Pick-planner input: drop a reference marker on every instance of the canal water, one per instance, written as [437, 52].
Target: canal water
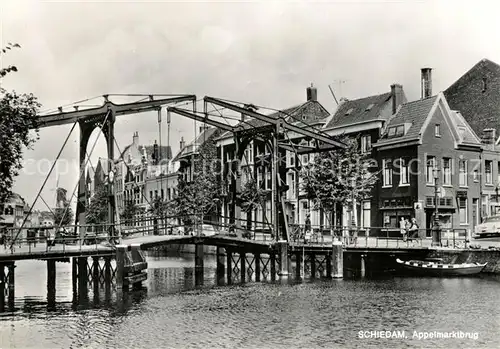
[170, 312]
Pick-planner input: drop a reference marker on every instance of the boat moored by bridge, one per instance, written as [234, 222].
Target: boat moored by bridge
[431, 268]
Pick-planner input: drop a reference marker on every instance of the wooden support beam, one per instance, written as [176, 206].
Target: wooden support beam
[277, 121]
[220, 266]
[229, 267]
[119, 109]
[313, 265]
[203, 119]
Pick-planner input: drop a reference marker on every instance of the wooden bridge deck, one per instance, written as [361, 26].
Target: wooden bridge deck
[40, 251]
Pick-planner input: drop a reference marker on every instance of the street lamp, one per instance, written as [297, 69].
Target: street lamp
[436, 231]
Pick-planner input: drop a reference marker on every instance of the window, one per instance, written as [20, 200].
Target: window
[396, 131]
[369, 107]
[290, 159]
[498, 174]
[387, 173]
[156, 194]
[150, 195]
[475, 175]
[437, 130]
[404, 173]
[488, 167]
[446, 171]
[291, 185]
[268, 180]
[366, 144]
[349, 111]
[462, 173]
[462, 207]
[430, 166]
[366, 217]
[162, 194]
[485, 85]
[259, 177]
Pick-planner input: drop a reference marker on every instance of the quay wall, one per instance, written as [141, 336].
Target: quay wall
[492, 256]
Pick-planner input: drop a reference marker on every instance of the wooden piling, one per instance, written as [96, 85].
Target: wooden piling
[95, 274]
[11, 283]
[198, 267]
[229, 256]
[51, 274]
[363, 266]
[337, 260]
[312, 258]
[272, 257]
[121, 251]
[82, 276]
[283, 254]
[328, 261]
[74, 274]
[242, 265]
[2, 287]
[107, 270]
[298, 257]
[257, 266]
[220, 266]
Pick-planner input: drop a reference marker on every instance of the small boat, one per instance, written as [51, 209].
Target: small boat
[431, 268]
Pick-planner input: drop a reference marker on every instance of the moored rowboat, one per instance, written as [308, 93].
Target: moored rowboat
[428, 268]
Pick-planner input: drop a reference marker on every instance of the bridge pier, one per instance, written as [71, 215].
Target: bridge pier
[198, 267]
[229, 267]
[257, 266]
[328, 261]
[312, 258]
[7, 285]
[51, 282]
[95, 274]
[220, 266]
[298, 257]
[363, 265]
[337, 260]
[272, 257]
[74, 274]
[242, 265]
[82, 277]
[283, 253]
[121, 251]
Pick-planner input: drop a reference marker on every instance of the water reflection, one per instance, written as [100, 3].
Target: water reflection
[174, 310]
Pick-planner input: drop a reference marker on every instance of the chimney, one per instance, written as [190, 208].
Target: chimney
[396, 96]
[312, 93]
[426, 82]
[135, 139]
[489, 136]
[182, 143]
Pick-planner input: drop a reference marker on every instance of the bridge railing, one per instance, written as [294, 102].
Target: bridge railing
[383, 237]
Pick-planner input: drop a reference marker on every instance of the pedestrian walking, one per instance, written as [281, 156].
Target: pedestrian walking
[403, 226]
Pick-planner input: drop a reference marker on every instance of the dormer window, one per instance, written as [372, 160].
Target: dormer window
[396, 131]
[369, 107]
[349, 111]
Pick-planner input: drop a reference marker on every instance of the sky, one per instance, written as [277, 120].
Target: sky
[265, 53]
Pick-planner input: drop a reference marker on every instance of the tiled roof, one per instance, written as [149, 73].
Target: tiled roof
[201, 139]
[413, 113]
[466, 133]
[358, 110]
[476, 94]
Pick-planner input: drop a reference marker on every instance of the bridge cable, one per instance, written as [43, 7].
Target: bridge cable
[43, 185]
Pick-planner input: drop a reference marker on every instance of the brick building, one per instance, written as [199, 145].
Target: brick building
[477, 95]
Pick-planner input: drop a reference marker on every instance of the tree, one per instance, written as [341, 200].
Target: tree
[97, 211]
[129, 211]
[63, 215]
[198, 198]
[252, 196]
[18, 115]
[337, 177]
